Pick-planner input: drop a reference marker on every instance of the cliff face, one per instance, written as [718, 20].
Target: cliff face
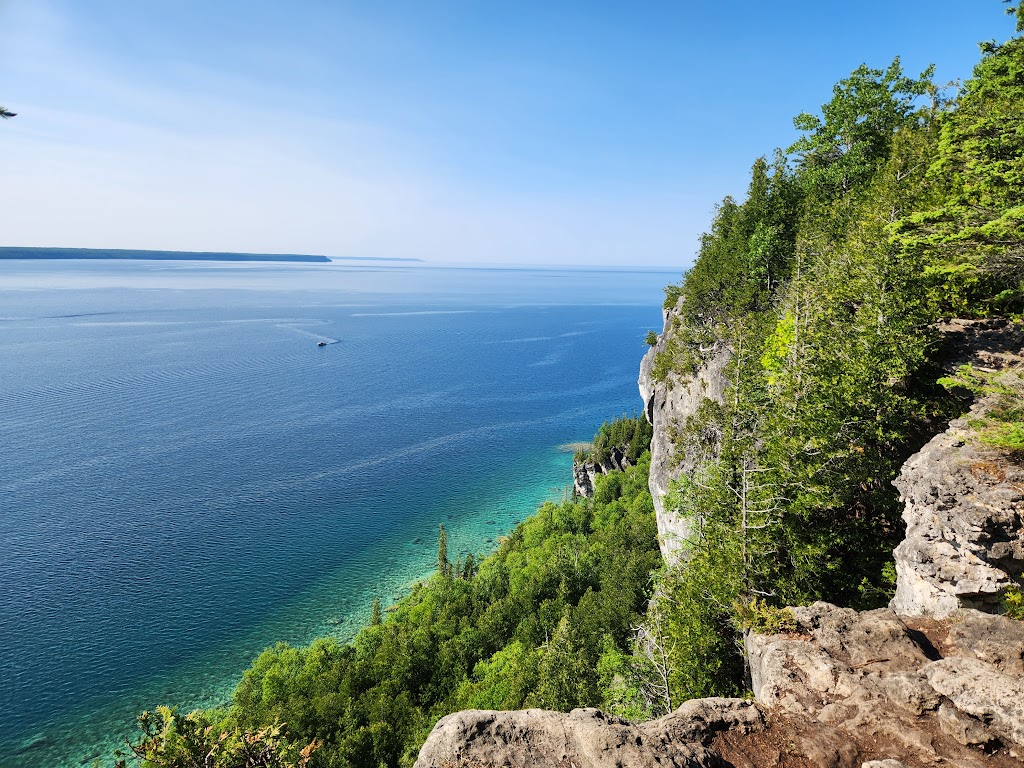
[964, 502]
[584, 473]
[929, 681]
[965, 525]
[668, 403]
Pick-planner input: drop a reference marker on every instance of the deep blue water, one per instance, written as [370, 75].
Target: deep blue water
[186, 477]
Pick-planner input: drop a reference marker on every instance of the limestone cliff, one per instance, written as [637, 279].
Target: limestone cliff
[964, 509]
[930, 681]
[669, 402]
[964, 502]
[584, 473]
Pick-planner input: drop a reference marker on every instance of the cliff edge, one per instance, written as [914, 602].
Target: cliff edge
[963, 500]
[669, 402]
[936, 679]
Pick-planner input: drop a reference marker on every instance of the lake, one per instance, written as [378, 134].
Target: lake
[188, 476]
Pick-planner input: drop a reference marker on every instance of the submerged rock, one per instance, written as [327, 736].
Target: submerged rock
[33, 743]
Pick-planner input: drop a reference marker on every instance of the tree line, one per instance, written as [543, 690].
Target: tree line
[899, 204]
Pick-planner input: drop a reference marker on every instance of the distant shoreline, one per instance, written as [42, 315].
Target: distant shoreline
[143, 255]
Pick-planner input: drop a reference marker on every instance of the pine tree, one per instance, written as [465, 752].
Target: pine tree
[974, 238]
[375, 613]
[444, 566]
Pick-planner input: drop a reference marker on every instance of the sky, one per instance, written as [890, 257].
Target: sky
[561, 132]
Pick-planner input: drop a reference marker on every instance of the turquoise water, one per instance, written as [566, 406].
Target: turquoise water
[187, 477]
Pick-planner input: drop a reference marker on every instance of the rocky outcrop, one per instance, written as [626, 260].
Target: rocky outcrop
[877, 684]
[584, 473]
[587, 738]
[964, 503]
[965, 525]
[929, 681]
[846, 689]
[668, 404]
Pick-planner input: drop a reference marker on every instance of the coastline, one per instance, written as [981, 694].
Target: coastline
[209, 679]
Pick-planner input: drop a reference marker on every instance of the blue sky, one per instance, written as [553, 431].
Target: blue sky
[553, 132]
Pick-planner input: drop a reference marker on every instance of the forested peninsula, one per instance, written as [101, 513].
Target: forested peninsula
[10, 252]
[851, 322]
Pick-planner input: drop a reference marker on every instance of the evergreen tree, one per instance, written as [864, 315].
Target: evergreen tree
[375, 613]
[567, 678]
[843, 147]
[974, 239]
[444, 567]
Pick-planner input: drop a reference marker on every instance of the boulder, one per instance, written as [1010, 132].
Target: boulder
[992, 698]
[879, 682]
[586, 738]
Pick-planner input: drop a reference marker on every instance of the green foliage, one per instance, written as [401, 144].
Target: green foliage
[895, 208]
[843, 148]
[195, 741]
[823, 286]
[764, 619]
[528, 627]
[626, 436]
[744, 260]
[673, 292]
[1013, 603]
[1001, 426]
[973, 236]
[1018, 12]
[777, 346]
[469, 567]
[651, 339]
[879, 591]
[444, 567]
